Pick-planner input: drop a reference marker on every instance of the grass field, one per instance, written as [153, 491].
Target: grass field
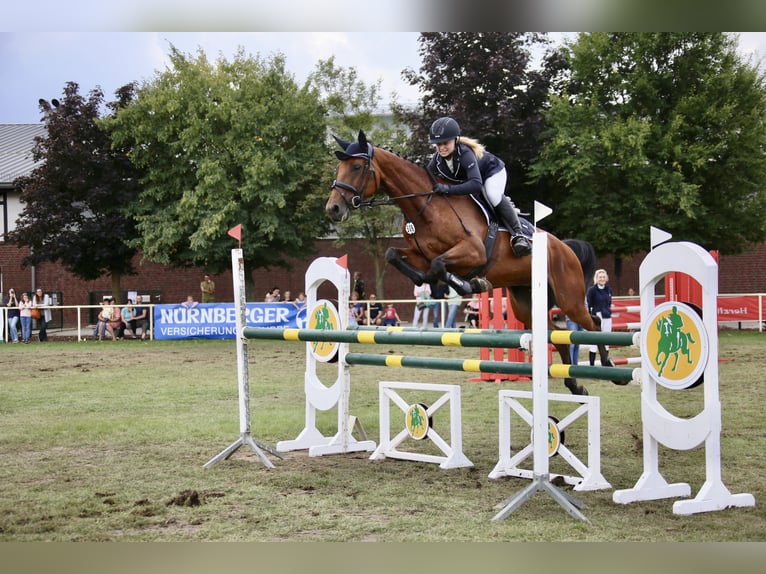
[107, 441]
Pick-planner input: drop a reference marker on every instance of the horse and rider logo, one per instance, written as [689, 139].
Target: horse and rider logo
[323, 316]
[416, 421]
[674, 345]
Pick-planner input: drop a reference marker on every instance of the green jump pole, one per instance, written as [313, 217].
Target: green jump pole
[397, 336]
[558, 371]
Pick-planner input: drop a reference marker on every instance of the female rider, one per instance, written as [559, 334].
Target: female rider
[471, 169]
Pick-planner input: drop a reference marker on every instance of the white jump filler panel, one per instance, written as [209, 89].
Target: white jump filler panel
[448, 394]
[695, 351]
[589, 475]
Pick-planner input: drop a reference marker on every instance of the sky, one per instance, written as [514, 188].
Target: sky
[37, 64]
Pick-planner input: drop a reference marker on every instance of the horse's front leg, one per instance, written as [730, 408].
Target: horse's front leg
[401, 260]
[438, 272]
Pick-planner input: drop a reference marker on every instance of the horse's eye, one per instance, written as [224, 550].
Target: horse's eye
[356, 167]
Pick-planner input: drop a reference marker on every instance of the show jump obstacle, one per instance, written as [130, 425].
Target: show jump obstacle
[677, 348]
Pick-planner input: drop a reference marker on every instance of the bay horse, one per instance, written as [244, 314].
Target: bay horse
[446, 239]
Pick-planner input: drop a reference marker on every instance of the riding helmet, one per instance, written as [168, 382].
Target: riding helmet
[442, 130]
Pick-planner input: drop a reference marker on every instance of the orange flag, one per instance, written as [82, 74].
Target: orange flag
[236, 233]
[342, 261]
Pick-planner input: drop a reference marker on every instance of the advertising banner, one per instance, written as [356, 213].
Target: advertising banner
[218, 320]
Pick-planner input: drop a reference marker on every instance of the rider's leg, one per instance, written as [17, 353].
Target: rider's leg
[506, 213]
[494, 189]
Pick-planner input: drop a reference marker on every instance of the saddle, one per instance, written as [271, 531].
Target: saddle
[492, 228]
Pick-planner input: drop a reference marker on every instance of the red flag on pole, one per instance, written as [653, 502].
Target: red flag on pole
[236, 233]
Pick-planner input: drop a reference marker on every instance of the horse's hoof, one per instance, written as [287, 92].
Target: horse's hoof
[574, 388]
[480, 285]
[621, 383]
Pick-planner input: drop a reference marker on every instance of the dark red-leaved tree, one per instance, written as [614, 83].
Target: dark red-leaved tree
[76, 201]
[489, 82]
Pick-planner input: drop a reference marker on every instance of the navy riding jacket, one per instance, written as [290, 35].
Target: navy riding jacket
[599, 300]
[468, 173]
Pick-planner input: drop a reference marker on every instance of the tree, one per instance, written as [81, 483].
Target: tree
[221, 144]
[487, 83]
[658, 129]
[75, 201]
[353, 106]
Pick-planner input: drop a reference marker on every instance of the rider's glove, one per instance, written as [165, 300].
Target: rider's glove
[442, 188]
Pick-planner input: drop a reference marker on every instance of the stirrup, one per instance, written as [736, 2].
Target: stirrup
[520, 246]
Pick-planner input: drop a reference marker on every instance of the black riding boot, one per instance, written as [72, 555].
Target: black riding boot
[506, 213]
[592, 358]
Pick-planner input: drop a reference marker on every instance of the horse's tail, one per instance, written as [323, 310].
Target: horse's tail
[586, 255]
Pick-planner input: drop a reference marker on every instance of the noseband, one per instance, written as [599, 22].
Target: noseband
[345, 188]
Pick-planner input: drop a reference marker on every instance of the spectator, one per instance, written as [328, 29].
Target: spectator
[288, 298]
[42, 302]
[438, 294]
[352, 315]
[599, 301]
[140, 320]
[190, 303]
[453, 304]
[375, 311]
[127, 323]
[273, 296]
[106, 319]
[391, 317]
[207, 288]
[300, 302]
[358, 285]
[422, 295]
[472, 312]
[360, 313]
[13, 316]
[25, 314]
[574, 350]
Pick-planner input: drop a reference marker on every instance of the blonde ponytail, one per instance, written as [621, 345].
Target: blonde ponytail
[477, 148]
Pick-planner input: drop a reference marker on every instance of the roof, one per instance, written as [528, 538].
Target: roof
[16, 143]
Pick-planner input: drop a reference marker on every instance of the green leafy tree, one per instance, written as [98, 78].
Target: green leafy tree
[354, 105]
[221, 144]
[488, 83]
[76, 200]
[663, 129]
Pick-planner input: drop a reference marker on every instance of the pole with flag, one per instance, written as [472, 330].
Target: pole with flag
[236, 233]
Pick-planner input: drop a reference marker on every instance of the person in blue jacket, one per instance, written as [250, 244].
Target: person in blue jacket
[471, 170]
[598, 299]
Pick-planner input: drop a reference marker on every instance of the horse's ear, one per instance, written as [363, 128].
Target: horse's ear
[342, 143]
[365, 145]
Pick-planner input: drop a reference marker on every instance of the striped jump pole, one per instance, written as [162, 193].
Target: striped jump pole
[398, 336]
[558, 371]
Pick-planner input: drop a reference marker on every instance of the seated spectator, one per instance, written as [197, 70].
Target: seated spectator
[127, 321]
[104, 324]
[140, 320]
[273, 296]
[472, 312]
[360, 313]
[117, 323]
[376, 311]
[391, 317]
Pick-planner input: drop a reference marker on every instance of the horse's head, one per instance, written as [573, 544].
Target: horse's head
[352, 182]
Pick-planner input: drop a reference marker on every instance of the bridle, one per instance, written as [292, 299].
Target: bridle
[344, 188]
